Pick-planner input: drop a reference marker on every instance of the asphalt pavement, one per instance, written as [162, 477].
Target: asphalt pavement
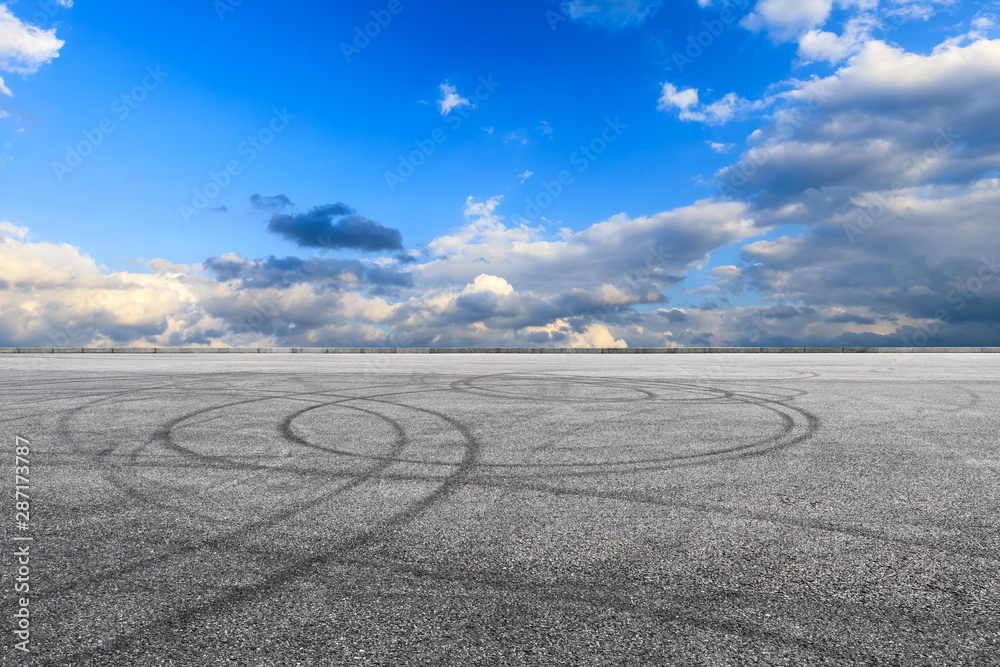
[477, 509]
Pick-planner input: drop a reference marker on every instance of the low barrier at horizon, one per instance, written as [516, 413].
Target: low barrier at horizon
[492, 350]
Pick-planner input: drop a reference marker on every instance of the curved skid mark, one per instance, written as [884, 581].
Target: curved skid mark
[255, 527]
[242, 594]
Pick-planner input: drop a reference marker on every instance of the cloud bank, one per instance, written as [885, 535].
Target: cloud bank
[861, 211]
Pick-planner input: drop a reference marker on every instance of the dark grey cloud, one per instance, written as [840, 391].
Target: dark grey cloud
[335, 226]
[849, 318]
[674, 316]
[274, 271]
[783, 312]
[270, 203]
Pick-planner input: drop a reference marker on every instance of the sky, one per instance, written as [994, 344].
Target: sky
[589, 173]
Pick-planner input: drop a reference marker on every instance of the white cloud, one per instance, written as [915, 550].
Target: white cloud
[915, 9]
[12, 230]
[596, 335]
[984, 21]
[785, 20]
[449, 99]
[719, 147]
[487, 283]
[55, 295]
[160, 265]
[908, 140]
[689, 107]
[672, 98]
[890, 164]
[832, 48]
[887, 115]
[24, 47]
[660, 247]
[526, 175]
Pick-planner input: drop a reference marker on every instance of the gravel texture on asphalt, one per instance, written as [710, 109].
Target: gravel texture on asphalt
[506, 509]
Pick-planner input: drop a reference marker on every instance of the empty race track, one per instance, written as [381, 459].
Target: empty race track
[506, 509]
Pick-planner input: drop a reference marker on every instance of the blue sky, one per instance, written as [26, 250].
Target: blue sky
[592, 172]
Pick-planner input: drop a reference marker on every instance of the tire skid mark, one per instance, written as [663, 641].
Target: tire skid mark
[798, 426]
[763, 446]
[222, 462]
[165, 625]
[357, 478]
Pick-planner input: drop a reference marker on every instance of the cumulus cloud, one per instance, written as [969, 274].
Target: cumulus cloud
[24, 47]
[887, 168]
[890, 165]
[784, 20]
[673, 98]
[335, 226]
[273, 271]
[887, 116]
[918, 249]
[160, 265]
[10, 229]
[651, 252]
[827, 46]
[55, 295]
[689, 107]
[570, 285]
